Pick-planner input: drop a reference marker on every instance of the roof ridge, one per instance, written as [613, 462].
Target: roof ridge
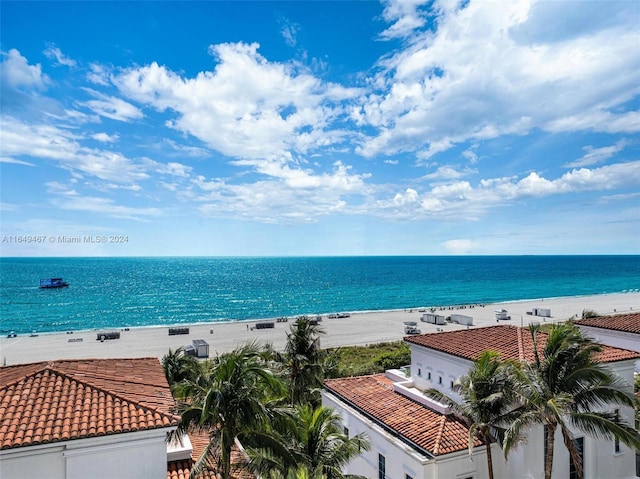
[520, 345]
[436, 443]
[113, 394]
[44, 365]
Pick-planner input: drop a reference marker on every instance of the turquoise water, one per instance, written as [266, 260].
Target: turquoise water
[132, 292]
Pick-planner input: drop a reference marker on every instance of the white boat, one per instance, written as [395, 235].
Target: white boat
[502, 314]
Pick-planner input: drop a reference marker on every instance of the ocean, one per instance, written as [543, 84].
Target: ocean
[136, 292]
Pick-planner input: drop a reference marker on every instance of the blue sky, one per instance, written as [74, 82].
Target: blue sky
[320, 128]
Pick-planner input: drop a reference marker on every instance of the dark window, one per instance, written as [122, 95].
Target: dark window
[407, 476]
[579, 445]
[451, 384]
[429, 375]
[346, 431]
[616, 441]
[419, 372]
[440, 380]
[381, 466]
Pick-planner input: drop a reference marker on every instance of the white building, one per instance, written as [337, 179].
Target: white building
[94, 419]
[620, 331]
[413, 438]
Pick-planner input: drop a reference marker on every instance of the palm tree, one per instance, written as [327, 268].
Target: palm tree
[565, 387]
[486, 393]
[313, 440]
[303, 361]
[179, 366]
[229, 399]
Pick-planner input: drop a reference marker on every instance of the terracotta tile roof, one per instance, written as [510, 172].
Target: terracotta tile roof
[199, 440]
[628, 323]
[510, 342]
[63, 400]
[431, 431]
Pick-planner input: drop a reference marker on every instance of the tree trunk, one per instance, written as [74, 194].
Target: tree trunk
[549, 441]
[489, 459]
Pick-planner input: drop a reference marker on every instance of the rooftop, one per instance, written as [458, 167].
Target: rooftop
[374, 396]
[199, 440]
[628, 323]
[510, 342]
[55, 401]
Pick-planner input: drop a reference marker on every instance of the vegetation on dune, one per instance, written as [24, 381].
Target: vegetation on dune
[363, 360]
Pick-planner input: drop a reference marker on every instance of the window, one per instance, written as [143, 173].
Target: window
[440, 380]
[381, 466]
[429, 375]
[407, 476]
[579, 444]
[451, 384]
[616, 441]
[346, 431]
[419, 372]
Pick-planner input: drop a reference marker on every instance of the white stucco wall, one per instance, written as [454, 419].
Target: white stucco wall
[440, 365]
[33, 463]
[136, 455]
[618, 339]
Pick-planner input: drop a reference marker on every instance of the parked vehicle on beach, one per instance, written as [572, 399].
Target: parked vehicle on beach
[411, 327]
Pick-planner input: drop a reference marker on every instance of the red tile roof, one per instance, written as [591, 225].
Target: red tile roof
[431, 431]
[628, 323]
[199, 440]
[63, 400]
[510, 342]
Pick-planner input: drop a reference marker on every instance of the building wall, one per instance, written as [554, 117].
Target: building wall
[137, 455]
[441, 367]
[402, 460]
[33, 463]
[618, 339]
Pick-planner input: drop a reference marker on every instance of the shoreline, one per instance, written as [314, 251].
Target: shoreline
[360, 328]
[421, 309]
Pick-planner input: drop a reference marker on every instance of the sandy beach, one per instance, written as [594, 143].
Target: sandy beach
[357, 329]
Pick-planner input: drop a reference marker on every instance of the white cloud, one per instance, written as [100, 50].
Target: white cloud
[106, 206]
[105, 137]
[98, 74]
[404, 16]
[298, 197]
[598, 155]
[447, 172]
[481, 74]
[460, 200]
[246, 107]
[16, 72]
[47, 142]
[111, 107]
[54, 53]
[289, 30]
[459, 246]
[7, 159]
